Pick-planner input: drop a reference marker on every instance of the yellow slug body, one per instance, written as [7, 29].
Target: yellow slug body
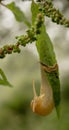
[44, 103]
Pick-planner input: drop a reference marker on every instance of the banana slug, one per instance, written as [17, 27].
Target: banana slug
[44, 103]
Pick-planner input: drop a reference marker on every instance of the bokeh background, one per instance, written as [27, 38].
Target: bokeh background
[21, 69]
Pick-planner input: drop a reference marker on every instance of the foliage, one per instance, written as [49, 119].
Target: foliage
[3, 79]
[19, 15]
[36, 33]
[31, 33]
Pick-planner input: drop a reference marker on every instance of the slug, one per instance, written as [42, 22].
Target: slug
[44, 103]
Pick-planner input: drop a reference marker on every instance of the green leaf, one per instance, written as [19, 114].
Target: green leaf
[3, 79]
[34, 10]
[48, 57]
[19, 15]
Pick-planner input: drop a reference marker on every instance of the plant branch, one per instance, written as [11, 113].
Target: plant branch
[30, 36]
[47, 8]
[3, 4]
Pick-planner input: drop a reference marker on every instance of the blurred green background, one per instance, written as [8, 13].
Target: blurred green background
[21, 69]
